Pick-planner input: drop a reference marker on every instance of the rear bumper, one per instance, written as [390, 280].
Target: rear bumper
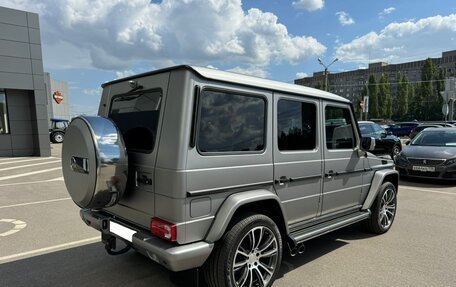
[171, 256]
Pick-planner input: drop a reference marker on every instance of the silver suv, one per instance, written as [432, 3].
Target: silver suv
[199, 168]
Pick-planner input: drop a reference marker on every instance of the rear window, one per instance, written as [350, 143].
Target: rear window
[136, 116]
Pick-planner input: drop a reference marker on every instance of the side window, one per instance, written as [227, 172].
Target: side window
[378, 129]
[296, 125]
[339, 128]
[231, 122]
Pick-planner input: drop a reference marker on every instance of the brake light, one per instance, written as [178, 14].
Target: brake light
[163, 229]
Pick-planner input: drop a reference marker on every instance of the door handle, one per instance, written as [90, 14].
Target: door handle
[330, 174]
[282, 180]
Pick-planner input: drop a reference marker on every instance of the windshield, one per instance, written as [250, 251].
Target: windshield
[435, 138]
[369, 129]
[366, 129]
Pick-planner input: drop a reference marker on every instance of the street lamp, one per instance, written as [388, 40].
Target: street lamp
[326, 70]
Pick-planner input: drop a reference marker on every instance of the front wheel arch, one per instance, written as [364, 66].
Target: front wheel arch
[383, 210]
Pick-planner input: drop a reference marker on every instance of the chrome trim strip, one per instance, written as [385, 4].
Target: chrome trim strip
[334, 159]
[294, 179]
[226, 188]
[297, 162]
[228, 167]
[344, 189]
[196, 220]
[300, 198]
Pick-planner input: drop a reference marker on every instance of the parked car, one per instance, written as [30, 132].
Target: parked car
[431, 154]
[402, 129]
[224, 171]
[385, 141]
[57, 130]
[416, 130]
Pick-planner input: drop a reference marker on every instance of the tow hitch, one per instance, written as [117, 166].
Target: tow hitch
[110, 243]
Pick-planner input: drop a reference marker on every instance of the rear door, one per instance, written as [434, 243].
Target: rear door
[343, 166]
[297, 156]
[138, 113]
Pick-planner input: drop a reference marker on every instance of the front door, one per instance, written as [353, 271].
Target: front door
[297, 156]
[343, 166]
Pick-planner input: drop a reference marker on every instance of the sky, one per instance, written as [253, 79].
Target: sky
[87, 43]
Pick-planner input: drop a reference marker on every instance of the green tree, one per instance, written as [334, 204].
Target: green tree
[373, 99]
[402, 103]
[439, 86]
[411, 97]
[417, 104]
[385, 101]
[427, 91]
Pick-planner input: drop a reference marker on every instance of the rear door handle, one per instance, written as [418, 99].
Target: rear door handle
[330, 174]
[282, 180]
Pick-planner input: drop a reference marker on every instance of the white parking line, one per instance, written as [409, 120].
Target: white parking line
[425, 190]
[29, 165]
[49, 249]
[35, 202]
[25, 160]
[29, 173]
[33, 182]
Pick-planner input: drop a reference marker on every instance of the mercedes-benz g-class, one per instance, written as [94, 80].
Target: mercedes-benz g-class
[200, 168]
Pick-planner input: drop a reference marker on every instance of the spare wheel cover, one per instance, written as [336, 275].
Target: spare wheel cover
[94, 162]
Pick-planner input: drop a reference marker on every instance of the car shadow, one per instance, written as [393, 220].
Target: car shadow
[90, 265]
[87, 265]
[321, 246]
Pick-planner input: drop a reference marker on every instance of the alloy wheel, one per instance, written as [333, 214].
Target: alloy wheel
[396, 151]
[387, 208]
[256, 258]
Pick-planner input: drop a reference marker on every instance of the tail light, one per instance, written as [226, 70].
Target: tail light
[163, 229]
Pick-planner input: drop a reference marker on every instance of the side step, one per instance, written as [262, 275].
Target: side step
[328, 226]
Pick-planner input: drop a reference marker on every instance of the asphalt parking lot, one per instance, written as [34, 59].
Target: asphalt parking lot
[43, 242]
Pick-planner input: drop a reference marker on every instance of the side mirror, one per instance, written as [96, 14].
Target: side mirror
[389, 133]
[408, 142]
[368, 143]
[383, 134]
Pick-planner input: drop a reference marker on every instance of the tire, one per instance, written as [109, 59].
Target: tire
[245, 245]
[57, 137]
[395, 151]
[383, 210]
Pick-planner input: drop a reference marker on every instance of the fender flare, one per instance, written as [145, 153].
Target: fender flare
[232, 204]
[376, 183]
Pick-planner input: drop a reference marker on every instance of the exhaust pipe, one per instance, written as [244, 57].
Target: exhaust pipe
[292, 249]
[296, 249]
[301, 248]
